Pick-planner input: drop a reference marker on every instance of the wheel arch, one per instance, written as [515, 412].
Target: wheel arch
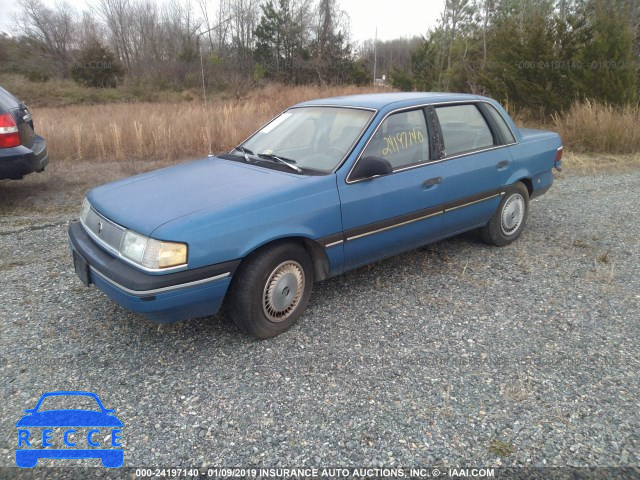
[316, 252]
[522, 175]
[527, 183]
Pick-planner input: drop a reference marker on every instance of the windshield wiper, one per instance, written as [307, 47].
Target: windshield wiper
[284, 161]
[249, 156]
[245, 152]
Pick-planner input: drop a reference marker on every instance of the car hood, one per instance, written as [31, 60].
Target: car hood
[145, 202]
[69, 418]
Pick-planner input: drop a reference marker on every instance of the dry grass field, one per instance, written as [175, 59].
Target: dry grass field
[93, 144]
[599, 128]
[173, 131]
[166, 131]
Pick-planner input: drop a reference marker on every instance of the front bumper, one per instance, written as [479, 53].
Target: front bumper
[17, 162]
[161, 297]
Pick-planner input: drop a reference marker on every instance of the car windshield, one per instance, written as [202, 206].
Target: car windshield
[69, 402]
[316, 138]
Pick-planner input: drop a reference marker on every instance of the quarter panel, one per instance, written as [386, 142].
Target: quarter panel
[534, 158]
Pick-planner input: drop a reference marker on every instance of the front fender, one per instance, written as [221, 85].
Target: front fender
[310, 211]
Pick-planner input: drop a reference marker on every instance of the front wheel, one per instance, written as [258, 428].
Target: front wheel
[507, 223]
[271, 289]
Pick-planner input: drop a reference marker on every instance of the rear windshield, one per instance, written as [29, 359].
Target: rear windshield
[7, 101]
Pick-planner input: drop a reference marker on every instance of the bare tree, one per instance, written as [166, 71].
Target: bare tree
[90, 30]
[116, 16]
[54, 28]
[243, 21]
[488, 10]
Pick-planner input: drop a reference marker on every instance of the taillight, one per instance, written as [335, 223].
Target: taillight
[9, 135]
[557, 163]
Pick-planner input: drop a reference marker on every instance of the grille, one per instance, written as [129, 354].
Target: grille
[104, 230]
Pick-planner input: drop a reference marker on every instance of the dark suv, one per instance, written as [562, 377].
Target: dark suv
[21, 150]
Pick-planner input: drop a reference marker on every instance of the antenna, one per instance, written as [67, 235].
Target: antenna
[204, 90]
[375, 56]
[204, 97]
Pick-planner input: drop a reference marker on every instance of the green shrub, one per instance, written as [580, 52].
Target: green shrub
[97, 66]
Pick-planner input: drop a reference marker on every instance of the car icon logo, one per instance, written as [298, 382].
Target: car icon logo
[84, 433]
[100, 226]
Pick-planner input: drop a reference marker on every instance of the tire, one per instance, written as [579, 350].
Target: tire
[510, 218]
[271, 289]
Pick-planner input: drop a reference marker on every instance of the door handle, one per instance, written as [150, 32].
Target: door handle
[503, 164]
[432, 182]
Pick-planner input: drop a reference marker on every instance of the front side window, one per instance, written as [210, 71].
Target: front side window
[402, 139]
[315, 138]
[463, 129]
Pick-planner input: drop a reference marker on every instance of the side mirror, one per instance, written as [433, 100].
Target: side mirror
[369, 167]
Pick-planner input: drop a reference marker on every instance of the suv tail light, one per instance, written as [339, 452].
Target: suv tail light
[9, 135]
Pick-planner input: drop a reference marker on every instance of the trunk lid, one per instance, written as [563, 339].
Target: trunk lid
[24, 122]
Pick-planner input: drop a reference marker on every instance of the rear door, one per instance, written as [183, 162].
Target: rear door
[478, 164]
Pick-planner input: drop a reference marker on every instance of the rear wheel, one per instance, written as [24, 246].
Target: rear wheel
[510, 218]
[271, 289]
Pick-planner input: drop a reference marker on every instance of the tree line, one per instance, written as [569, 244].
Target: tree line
[539, 54]
[542, 54]
[290, 41]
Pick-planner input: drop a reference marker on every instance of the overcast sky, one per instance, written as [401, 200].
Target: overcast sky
[6, 7]
[394, 18]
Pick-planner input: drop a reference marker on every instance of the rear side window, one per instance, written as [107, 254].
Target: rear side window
[463, 129]
[505, 131]
[402, 139]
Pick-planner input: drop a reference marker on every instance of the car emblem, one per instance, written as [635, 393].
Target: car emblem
[87, 426]
[99, 228]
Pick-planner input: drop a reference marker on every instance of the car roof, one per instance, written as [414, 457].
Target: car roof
[379, 101]
[74, 393]
[71, 393]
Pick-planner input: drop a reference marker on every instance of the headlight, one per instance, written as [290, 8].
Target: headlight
[133, 246]
[151, 253]
[84, 212]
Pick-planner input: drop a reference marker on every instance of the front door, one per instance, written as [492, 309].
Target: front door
[389, 214]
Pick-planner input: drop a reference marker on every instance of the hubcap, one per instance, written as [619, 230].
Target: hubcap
[512, 214]
[283, 291]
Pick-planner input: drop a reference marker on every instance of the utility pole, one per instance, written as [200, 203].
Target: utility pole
[375, 56]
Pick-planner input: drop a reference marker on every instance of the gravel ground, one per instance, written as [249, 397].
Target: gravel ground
[459, 353]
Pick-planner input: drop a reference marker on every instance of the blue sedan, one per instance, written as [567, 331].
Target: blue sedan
[325, 187]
